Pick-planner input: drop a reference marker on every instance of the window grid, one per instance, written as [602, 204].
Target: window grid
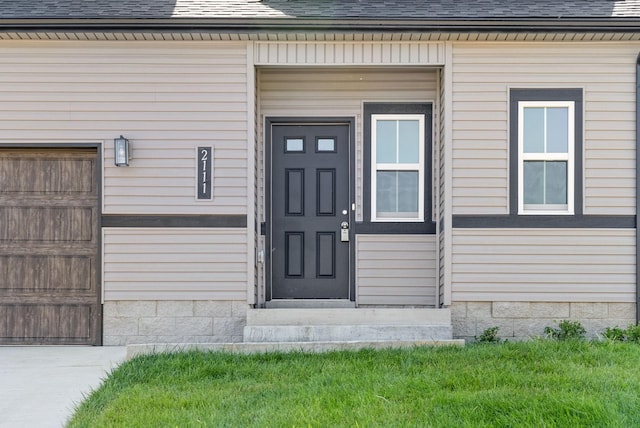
[568, 156]
[386, 166]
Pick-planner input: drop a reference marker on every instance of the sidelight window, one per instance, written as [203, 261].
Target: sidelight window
[397, 167]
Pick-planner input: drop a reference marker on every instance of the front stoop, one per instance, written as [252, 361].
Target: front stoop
[328, 329]
[348, 325]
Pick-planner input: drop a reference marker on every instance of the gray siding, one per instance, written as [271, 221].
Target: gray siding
[544, 265]
[167, 98]
[396, 270]
[482, 76]
[175, 264]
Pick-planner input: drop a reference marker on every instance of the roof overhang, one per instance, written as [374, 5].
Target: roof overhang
[288, 29]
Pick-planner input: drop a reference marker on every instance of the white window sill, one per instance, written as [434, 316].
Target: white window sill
[397, 220]
[545, 212]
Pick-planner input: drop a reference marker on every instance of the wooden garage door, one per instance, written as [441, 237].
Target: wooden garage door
[49, 291]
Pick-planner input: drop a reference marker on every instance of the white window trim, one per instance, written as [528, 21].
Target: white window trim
[569, 157]
[375, 167]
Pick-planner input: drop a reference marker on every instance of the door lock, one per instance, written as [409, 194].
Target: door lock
[344, 231]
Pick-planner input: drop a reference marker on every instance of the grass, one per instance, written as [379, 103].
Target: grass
[540, 384]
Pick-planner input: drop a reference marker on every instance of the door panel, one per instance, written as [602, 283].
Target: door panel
[309, 192]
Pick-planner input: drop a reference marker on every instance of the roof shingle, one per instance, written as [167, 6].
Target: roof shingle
[322, 9]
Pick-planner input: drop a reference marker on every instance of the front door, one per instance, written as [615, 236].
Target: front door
[308, 211]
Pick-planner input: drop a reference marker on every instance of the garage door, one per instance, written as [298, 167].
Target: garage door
[49, 290]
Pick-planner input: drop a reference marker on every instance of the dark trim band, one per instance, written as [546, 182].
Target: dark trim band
[127, 220]
[383, 228]
[543, 221]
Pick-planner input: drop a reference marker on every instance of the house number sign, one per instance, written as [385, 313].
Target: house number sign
[204, 172]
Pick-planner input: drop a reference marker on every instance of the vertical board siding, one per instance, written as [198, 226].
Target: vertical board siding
[175, 264]
[544, 265]
[167, 98]
[316, 92]
[482, 76]
[346, 53]
[396, 270]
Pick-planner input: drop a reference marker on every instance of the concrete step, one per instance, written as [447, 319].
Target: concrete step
[347, 324]
[345, 333]
[349, 316]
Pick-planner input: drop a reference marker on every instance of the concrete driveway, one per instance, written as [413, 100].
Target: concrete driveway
[40, 385]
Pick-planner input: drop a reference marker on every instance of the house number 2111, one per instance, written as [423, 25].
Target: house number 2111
[204, 173]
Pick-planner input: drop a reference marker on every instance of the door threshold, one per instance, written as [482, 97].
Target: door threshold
[309, 304]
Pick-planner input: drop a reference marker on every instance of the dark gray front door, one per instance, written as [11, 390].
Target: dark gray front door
[308, 187]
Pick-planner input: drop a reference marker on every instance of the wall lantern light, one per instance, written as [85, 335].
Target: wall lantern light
[121, 151]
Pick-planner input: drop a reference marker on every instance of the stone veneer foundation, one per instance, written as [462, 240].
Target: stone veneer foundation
[136, 322]
[140, 322]
[525, 320]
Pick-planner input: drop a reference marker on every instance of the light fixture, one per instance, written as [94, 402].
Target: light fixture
[121, 151]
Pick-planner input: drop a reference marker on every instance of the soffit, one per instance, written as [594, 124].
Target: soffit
[565, 36]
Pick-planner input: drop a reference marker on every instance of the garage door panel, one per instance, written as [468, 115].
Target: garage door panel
[49, 240]
[48, 248]
[46, 324]
[46, 224]
[37, 274]
[50, 298]
[44, 174]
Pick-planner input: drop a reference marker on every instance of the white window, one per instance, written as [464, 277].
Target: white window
[397, 167]
[546, 147]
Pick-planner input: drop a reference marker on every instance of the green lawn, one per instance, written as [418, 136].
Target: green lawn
[540, 383]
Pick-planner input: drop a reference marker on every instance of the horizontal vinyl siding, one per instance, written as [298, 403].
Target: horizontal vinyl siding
[167, 98]
[175, 264]
[544, 265]
[482, 76]
[396, 270]
[317, 92]
[340, 92]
